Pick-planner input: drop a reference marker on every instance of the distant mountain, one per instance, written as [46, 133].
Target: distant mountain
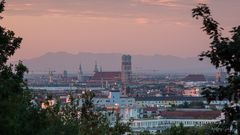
[60, 61]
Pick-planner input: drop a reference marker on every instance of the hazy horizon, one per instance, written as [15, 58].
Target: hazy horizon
[14, 59]
[147, 27]
[61, 61]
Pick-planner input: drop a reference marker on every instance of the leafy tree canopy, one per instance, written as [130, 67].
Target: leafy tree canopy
[224, 52]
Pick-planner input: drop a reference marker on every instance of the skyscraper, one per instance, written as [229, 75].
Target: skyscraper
[95, 67]
[126, 72]
[80, 74]
[65, 74]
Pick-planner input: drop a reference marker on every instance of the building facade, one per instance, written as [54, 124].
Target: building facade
[126, 73]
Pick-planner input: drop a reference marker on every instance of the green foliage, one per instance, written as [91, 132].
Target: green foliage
[196, 105]
[120, 128]
[13, 97]
[181, 130]
[184, 105]
[145, 132]
[93, 122]
[224, 53]
[176, 130]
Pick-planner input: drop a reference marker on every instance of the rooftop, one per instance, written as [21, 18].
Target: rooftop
[173, 98]
[190, 114]
[194, 78]
[106, 76]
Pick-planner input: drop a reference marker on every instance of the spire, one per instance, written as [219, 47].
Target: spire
[96, 67]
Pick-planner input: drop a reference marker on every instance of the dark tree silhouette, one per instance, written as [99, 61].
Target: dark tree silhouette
[224, 52]
[12, 99]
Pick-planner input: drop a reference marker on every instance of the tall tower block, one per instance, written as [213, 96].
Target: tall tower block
[126, 72]
[95, 67]
[80, 74]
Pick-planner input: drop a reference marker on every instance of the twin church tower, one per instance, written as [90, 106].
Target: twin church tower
[125, 75]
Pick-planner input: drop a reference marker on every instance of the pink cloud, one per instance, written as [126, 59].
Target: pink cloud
[27, 4]
[56, 11]
[168, 3]
[142, 20]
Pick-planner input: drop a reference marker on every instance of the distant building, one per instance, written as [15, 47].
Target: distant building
[105, 79]
[123, 106]
[169, 118]
[194, 80]
[150, 111]
[167, 101]
[50, 77]
[194, 92]
[65, 74]
[190, 114]
[126, 72]
[80, 74]
[114, 98]
[95, 67]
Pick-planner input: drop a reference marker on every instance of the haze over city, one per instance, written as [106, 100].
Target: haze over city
[113, 26]
[119, 67]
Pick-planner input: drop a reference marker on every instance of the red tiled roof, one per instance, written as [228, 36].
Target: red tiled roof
[107, 76]
[191, 114]
[194, 78]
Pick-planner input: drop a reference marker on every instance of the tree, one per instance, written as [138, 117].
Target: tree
[177, 130]
[120, 128]
[93, 122]
[196, 130]
[145, 132]
[12, 93]
[224, 52]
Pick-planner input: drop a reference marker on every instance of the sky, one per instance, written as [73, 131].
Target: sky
[146, 27]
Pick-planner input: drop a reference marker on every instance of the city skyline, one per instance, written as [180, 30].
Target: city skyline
[128, 26]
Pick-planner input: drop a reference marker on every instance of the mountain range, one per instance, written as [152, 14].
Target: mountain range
[60, 61]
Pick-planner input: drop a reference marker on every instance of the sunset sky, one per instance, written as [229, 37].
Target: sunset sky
[113, 26]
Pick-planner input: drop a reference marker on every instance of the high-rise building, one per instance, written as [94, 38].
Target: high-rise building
[126, 72]
[80, 74]
[65, 74]
[50, 76]
[95, 67]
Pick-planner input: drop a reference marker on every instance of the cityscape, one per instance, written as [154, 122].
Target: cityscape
[126, 67]
[155, 102]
